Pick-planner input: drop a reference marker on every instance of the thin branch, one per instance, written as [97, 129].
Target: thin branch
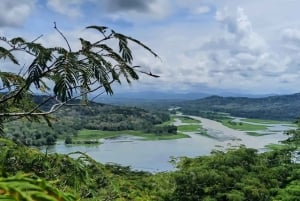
[92, 99]
[55, 27]
[41, 104]
[40, 36]
[148, 73]
[54, 107]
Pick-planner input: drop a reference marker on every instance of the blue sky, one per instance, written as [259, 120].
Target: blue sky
[242, 46]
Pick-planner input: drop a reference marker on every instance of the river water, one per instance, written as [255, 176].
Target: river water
[154, 156]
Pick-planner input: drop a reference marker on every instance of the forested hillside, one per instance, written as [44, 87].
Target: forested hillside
[285, 107]
[235, 175]
[94, 116]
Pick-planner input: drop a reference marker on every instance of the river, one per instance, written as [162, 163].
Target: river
[154, 156]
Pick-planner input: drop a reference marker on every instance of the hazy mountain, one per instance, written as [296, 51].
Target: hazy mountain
[285, 107]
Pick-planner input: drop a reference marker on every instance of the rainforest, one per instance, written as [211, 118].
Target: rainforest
[212, 149]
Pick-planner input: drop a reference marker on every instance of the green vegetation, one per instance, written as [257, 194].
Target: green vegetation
[255, 134]
[96, 134]
[188, 120]
[170, 121]
[189, 128]
[243, 126]
[240, 174]
[203, 132]
[237, 174]
[67, 74]
[284, 107]
[69, 121]
[276, 147]
[264, 121]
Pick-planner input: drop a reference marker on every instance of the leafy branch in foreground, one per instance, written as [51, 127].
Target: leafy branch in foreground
[24, 188]
[63, 73]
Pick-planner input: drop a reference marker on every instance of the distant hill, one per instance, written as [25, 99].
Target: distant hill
[280, 107]
[141, 98]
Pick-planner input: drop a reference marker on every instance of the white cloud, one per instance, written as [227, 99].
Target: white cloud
[14, 12]
[233, 48]
[69, 8]
[291, 38]
[201, 10]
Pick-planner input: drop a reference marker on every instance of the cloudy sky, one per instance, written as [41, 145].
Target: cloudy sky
[244, 46]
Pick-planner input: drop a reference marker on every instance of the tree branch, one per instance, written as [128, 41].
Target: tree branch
[54, 107]
[55, 27]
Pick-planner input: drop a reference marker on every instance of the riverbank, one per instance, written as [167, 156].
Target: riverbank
[153, 155]
[235, 137]
[97, 134]
[184, 124]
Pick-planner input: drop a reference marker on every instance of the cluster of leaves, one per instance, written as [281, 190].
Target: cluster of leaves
[70, 73]
[76, 175]
[22, 188]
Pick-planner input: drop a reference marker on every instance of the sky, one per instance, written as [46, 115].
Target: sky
[205, 46]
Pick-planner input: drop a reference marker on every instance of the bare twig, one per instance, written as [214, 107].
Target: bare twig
[40, 36]
[55, 27]
[54, 107]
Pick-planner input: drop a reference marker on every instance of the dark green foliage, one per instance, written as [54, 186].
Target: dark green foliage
[235, 175]
[285, 107]
[241, 174]
[68, 140]
[94, 116]
[21, 188]
[81, 174]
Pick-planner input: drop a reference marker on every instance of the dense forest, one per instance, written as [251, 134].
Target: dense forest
[238, 174]
[284, 107]
[94, 116]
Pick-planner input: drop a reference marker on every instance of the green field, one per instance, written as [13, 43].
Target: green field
[170, 122]
[188, 120]
[188, 128]
[275, 147]
[183, 119]
[97, 134]
[264, 121]
[243, 126]
[255, 134]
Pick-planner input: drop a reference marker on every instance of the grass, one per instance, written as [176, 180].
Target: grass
[204, 133]
[188, 120]
[170, 122]
[188, 128]
[255, 134]
[243, 126]
[264, 121]
[183, 119]
[275, 147]
[97, 134]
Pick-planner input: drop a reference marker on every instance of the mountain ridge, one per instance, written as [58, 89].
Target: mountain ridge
[279, 107]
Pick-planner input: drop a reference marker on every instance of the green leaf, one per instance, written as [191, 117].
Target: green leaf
[6, 53]
[102, 29]
[17, 40]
